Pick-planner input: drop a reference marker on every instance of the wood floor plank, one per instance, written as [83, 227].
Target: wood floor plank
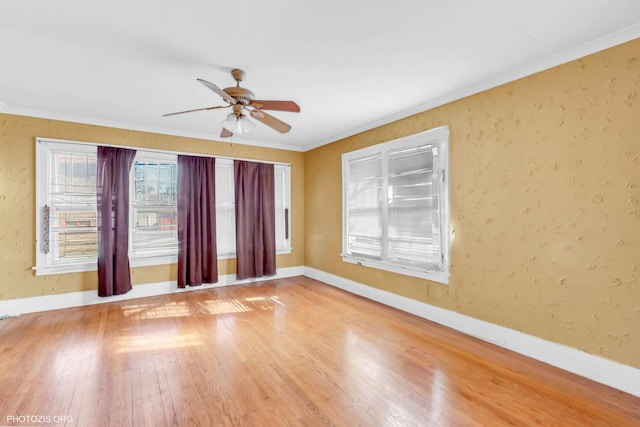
[289, 352]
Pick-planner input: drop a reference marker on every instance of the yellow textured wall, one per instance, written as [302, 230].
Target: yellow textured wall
[545, 205]
[17, 200]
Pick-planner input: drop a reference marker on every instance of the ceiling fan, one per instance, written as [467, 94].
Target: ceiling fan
[242, 100]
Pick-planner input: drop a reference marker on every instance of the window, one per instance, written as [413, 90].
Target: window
[282, 183]
[225, 209]
[396, 205]
[226, 213]
[66, 238]
[154, 209]
[66, 191]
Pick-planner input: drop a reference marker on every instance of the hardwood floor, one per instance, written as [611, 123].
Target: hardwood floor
[284, 352]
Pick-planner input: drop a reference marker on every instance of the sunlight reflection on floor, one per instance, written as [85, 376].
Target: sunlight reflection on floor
[155, 311]
[128, 344]
[224, 306]
[215, 307]
[364, 358]
[211, 306]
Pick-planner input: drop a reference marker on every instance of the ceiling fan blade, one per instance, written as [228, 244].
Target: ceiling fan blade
[225, 133]
[270, 121]
[276, 105]
[219, 91]
[197, 109]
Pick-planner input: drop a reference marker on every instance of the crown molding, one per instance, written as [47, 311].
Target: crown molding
[608, 41]
[137, 127]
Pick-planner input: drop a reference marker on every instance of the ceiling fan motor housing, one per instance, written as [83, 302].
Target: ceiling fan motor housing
[241, 95]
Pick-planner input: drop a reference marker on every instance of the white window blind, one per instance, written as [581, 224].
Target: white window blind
[395, 205]
[364, 207]
[413, 208]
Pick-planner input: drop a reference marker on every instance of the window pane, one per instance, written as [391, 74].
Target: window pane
[72, 195]
[152, 171]
[140, 189]
[165, 196]
[139, 171]
[280, 205]
[364, 207]
[225, 208]
[226, 230]
[412, 205]
[165, 172]
[154, 213]
[151, 192]
[75, 246]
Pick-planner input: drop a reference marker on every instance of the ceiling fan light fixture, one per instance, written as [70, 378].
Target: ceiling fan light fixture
[238, 125]
[246, 125]
[229, 121]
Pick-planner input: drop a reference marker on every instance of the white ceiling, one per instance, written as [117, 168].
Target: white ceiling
[350, 65]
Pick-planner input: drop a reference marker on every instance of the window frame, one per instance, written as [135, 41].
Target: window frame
[141, 260]
[229, 205]
[286, 171]
[43, 197]
[440, 138]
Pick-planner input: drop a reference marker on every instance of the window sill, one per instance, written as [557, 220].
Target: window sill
[93, 266]
[435, 276]
[134, 262]
[63, 269]
[233, 255]
[150, 261]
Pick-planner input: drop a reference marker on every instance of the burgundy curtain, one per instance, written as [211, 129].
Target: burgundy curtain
[255, 219]
[112, 185]
[197, 252]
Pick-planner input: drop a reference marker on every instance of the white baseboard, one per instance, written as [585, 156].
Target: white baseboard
[605, 371]
[19, 306]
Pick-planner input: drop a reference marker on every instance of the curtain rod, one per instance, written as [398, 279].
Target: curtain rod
[185, 153]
